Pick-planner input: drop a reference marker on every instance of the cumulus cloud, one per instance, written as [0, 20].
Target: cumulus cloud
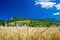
[58, 13]
[57, 6]
[45, 4]
[48, 4]
[45, 0]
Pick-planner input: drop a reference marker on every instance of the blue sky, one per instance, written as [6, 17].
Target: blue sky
[29, 8]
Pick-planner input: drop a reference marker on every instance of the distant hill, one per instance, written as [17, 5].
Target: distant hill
[45, 22]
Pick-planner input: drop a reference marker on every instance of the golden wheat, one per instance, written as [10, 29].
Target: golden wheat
[29, 33]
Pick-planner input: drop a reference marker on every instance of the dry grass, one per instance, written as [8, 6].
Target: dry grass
[29, 33]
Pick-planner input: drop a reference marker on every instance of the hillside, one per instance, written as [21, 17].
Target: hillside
[45, 22]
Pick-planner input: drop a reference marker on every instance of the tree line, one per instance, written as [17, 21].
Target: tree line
[37, 22]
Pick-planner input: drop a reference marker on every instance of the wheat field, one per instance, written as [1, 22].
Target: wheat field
[29, 33]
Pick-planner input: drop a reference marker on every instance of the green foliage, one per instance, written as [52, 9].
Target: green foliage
[2, 22]
[45, 22]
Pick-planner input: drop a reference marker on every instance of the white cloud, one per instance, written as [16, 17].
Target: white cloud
[46, 4]
[58, 6]
[45, 0]
[58, 13]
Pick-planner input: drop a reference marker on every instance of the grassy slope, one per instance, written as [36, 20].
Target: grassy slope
[45, 22]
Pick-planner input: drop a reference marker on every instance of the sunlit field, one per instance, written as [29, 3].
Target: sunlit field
[29, 33]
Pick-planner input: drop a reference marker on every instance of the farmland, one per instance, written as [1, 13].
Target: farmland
[30, 29]
[29, 33]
